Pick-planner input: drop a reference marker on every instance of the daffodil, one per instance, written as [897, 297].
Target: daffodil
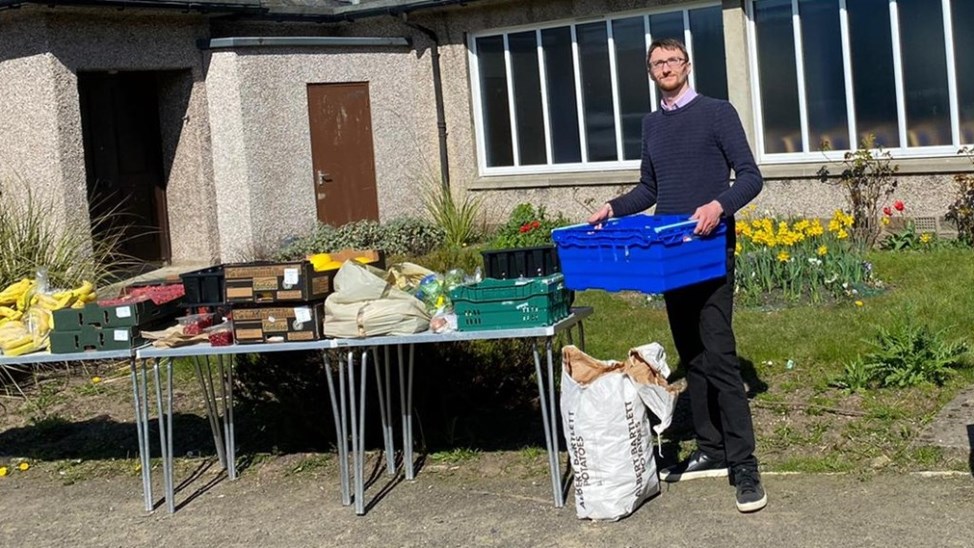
[926, 237]
[822, 250]
[95, 380]
[24, 466]
[783, 256]
[3, 471]
[859, 303]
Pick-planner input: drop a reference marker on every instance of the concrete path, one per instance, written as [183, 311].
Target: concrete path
[445, 509]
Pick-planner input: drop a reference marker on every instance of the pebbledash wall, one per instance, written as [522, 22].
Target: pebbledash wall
[261, 134]
[237, 156]
[235, 121]
[790, 189]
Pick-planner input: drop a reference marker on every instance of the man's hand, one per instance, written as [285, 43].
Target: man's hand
[602, 214]
[707, 217]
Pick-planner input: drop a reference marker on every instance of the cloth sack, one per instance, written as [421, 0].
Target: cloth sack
[365, 305]
[608, 430]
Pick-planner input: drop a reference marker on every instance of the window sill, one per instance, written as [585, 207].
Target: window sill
[908, 166]
[549, 180]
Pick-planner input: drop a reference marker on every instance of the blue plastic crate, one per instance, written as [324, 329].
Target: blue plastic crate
[648, 253]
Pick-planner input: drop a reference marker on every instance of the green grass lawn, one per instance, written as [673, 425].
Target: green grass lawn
[802, 423]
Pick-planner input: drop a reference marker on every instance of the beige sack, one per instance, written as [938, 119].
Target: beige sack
[365, 305]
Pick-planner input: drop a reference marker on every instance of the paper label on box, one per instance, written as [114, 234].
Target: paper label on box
[123, 312]
[291, 276]
[302, 314]
[121, 335]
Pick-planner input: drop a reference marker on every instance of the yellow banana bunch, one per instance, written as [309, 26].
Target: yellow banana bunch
[13, 335]
[7, 313]
[15, 291]
[28, 345]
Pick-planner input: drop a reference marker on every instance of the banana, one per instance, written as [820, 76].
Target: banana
[45, 301]
[26, 348]
[6, 345]
[7, 312]
[83, 290]
[13, 292]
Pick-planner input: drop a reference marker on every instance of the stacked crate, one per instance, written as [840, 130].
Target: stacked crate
[282, 301]
[113, 324]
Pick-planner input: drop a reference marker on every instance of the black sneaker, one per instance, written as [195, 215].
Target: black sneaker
[750, 495]
[697, 465]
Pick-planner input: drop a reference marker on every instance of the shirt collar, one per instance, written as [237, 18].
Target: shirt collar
[688, 95]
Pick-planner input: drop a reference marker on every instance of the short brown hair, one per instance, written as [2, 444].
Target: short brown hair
[667, 43]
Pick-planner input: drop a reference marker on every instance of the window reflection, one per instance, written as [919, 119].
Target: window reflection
[828, 122]
[493, 92]
[873, 83]
[593, 52]
[562, 105]
[778, 76]
[629, 36]
[527, 98]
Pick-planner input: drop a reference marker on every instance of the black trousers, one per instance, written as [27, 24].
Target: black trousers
[700, 319]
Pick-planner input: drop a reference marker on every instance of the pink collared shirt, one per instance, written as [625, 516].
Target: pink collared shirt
[680, 101]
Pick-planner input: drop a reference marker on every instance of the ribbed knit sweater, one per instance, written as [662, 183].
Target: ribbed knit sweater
[687, 157]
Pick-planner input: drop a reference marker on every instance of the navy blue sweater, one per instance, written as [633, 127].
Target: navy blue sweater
[688, 154]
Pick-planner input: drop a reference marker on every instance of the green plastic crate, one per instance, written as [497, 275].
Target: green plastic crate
[511, 304]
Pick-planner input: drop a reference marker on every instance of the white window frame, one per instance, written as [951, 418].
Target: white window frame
[584, 165]
[903, 151]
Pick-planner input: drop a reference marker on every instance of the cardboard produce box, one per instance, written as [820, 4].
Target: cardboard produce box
[294, 281]
[271, 324]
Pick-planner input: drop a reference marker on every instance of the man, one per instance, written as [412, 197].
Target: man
[689, 147]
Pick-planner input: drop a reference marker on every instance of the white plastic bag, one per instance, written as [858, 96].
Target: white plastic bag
[609, 440]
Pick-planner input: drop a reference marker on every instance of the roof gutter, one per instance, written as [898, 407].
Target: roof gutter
[251, 7]
[304, 41]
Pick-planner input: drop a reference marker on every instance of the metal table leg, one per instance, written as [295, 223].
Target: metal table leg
[382, 387]
[406, 406]
[547, 419]
[226, 391]
[143, 434]
[340, 425]
[165, 433]
[202, 374]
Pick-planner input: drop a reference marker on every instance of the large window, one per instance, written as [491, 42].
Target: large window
[829, 73]
[570, 97]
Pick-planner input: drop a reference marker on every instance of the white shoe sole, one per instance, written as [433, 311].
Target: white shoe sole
[753, 506]
[700, 474]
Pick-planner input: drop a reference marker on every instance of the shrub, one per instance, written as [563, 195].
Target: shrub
[32, 236]
[961, 212]
[799, 259]
[527, 227]
[907, 354]
[867, 178]
[445, 258]
[405, 236]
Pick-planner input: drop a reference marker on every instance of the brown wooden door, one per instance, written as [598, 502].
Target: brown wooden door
[123, 160]
[342, 160]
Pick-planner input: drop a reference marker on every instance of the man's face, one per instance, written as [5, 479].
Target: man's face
[669, 69]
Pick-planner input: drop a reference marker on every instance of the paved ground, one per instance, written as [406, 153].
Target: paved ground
[458, 506]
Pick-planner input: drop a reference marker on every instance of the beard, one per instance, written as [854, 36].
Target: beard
[671, 84]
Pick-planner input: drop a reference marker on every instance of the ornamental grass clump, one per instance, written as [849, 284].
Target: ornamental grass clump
[799, 260]
[33, 235]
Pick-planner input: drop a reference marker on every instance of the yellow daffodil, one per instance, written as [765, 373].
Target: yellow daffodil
[859, 303]
[3, 471]
[822, 250]
[783, 256]
[885, 221]
[24, 466]
[841, 234]
[95, 380]
[737, 248]
[926, 238]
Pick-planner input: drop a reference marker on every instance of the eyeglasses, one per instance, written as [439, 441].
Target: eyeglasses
[672, 62]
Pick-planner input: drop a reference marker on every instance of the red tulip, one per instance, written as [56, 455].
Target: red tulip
[887, 211]
[898, 204]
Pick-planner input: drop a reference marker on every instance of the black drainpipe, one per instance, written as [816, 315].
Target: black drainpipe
[438, 95]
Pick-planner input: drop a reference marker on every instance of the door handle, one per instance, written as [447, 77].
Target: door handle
[321, 177]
